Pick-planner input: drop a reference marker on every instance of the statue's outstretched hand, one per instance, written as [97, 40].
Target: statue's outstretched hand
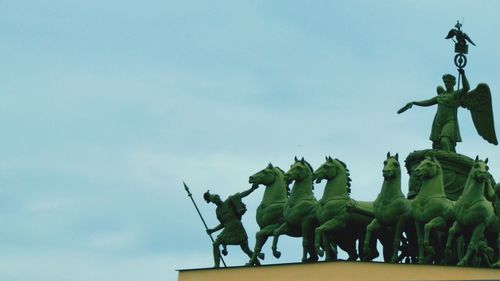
[405, 108]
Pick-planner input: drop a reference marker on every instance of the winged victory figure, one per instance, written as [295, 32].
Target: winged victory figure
[445, 131]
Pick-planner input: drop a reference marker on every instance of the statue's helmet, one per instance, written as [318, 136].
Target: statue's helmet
[206, 196]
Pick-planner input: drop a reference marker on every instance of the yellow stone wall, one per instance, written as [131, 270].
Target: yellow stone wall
[332, 271]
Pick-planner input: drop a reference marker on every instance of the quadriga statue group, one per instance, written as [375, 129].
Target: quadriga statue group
[429, 228]
[450, 215]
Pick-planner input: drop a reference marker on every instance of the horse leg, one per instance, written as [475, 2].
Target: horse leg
[308, 236]
[331, 253]
[420, 238]
[477, 235]
[260, 239]
[331, 225]
[282, 229]
[435, 223]
[244, 247]
[400, 225]
[497, 264]
[373, 226]
[455, 228]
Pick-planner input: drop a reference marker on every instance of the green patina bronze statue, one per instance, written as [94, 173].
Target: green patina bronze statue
[451, 214]
[342, 220]
[474, 213]
[496, 227]
[300, 211]
[430, 209]
[391, 208]
[229, 214]
[497, 224]
[270, 211]
[445, 132]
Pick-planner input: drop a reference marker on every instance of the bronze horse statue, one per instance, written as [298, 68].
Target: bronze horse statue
[474, 213]
[300, 210]
[270, 211]
[340, 221]
[391, 210]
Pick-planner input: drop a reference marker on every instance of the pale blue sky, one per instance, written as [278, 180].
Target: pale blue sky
[107, 106]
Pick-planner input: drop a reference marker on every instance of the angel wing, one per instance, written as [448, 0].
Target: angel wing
[478, 101]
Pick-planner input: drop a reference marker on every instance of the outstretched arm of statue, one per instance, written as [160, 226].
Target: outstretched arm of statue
[405, 108]
[247, 192]
[217, 228]
[428, 102]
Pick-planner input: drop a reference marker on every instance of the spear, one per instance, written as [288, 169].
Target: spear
[201, 217]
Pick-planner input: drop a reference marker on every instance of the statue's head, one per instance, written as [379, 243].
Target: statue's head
[211, 197]
[449, 81]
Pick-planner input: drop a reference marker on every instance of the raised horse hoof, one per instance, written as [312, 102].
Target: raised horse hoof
[320, 252]
[224, 252]
[277, 254]
[261, 256]
[352, 258]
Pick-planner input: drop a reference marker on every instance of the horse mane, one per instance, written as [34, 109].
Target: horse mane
[311, 170]
[286, 185]
[308, 165]
[283, 172]
[348, 175]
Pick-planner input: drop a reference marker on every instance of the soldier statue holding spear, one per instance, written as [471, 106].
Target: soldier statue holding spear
[229, 214]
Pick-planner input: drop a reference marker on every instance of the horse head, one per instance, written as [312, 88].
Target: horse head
[479, 170]
[327, 171]
[266, 176]
[330, 170]
[299, 171]
[428, 168]
[392, 168]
